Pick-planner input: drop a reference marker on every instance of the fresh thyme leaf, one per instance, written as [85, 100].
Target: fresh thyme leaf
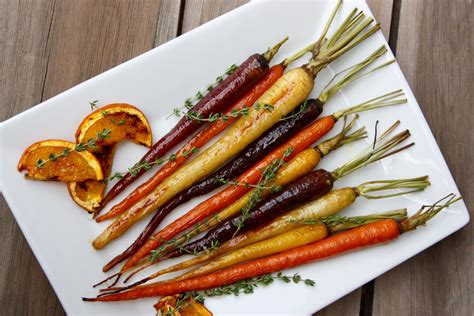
[247, 286]
[122, 122]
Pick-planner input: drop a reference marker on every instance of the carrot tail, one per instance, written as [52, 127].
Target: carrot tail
[370, 234]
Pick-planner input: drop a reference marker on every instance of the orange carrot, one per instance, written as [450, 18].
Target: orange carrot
[197, 142]
[370, 234]
[367, 235]
[298, 143]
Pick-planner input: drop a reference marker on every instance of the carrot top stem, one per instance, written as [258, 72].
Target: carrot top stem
[352, 73]
[411, 185]
[271, 52]
[342, 138]
[298, 54]
[391, 98]
[350, 33]
[427, 212]
[380, 149]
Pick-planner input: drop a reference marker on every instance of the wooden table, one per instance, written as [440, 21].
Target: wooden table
[48, 46]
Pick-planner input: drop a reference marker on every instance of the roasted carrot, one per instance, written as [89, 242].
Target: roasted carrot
[279, 133]
[311, 232]
[224, 198]
[204, 136]
[325, 206]
[287, 92]
[367, 235]
[218, 100]
[308, 187]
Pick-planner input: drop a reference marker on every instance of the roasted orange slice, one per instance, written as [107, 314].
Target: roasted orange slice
[123, 121]
[88, 194]
[58, 160]
[187, 307]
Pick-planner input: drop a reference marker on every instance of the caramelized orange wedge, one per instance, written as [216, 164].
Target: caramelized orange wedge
[59, 160]
[124, 121]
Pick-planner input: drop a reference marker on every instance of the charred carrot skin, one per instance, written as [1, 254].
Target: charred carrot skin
[298, 143]
[218, 100]
[198, 141]
[367, 235]
[301, 191]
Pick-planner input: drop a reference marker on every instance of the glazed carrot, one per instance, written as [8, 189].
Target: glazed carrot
[218, 100]
[325, 206]
[367, 235]
[204, 136]
[278, 134]
[197, 141]
[296, 237]
[298, 143]
[308, 187]
[287, 92]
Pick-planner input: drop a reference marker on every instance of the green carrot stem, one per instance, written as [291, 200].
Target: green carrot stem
[271, 52]
[322, 38]
[352, 73]
[409, 185]
[352, 31]
[298, 54]
[427, 212]
[391, 98]
[380, 149]
[342, 138]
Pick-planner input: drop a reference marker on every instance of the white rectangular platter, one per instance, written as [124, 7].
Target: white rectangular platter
[60, 233]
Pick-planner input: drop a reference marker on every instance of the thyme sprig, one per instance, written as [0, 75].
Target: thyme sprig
[268, 175]
[90, 144]
[148, 165]
[106, 114]
[272, 188]
[176, 242]
[193, 115]
[247, 286]
[189, 102]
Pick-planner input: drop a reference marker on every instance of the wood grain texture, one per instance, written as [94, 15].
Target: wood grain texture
[197, 12]
[382, 11]
[435, 46]
[24, 32]
[46, 48]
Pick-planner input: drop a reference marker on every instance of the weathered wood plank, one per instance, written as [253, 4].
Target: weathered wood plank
[197, 12]
[24, 32]
[111, 32]
[382, 11]
[42, 53]
[434, 49]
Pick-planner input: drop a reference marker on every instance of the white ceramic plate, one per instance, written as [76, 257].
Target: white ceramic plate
[60, 233]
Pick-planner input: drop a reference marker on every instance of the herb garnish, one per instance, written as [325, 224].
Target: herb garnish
[268, 175]
[106, 114]
[188, 103]
[148, 165]
[247, 286]
[90, 144]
